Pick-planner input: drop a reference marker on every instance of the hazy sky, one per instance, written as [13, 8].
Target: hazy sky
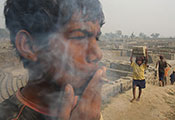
[136, 16]
[146, 16]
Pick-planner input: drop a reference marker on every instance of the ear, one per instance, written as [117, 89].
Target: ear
[23, 44]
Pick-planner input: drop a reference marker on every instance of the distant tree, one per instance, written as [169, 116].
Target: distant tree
[118, 33]
[170, 37]
[143, 35]
[155, 35]
[110, 36]
[125, 36]
[132, 36]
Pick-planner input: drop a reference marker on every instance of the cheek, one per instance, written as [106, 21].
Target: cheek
[78, 53]
[57, 47]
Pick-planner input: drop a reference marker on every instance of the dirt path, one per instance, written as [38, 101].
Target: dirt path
[157, 103]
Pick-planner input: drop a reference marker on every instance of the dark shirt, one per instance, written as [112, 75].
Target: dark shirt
[13, 109]
[162, 66]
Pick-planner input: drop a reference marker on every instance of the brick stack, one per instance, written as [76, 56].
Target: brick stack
[139, 51]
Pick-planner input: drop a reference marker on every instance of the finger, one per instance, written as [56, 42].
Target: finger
[86, 108]
[68, 102]
[75, 102]
[104, 79]
[93, 86]
[104, 71]
[95, 79]
[96, 101]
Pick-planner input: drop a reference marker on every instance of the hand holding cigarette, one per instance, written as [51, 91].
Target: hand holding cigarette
[88, 107]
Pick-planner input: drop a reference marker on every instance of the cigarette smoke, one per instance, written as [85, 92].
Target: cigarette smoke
[44, 19]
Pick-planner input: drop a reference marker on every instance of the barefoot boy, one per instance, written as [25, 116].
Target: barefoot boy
[139, 67]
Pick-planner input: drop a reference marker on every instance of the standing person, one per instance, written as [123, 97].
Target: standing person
[139, 67]
[162, 64]
[57, 42]
[172, 77]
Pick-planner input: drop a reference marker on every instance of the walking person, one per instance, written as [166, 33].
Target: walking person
[162, 65]
[139, 67]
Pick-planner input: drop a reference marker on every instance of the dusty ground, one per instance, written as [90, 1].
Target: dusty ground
[157, 103]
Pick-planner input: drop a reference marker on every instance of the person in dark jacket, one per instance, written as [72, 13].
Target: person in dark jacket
[57, 42]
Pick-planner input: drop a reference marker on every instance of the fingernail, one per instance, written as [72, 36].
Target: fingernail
[67, 89]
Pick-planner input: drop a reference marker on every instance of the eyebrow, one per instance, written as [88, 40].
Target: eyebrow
[89, 34]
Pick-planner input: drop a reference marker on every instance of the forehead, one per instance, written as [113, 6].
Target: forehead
[79, 22]
[139, 59]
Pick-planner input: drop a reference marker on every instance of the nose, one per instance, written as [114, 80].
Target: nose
[94, 53]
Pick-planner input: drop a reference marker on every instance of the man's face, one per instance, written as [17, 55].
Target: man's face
[74, 53]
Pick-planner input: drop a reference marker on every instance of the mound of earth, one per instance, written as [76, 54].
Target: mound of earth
[157, 103]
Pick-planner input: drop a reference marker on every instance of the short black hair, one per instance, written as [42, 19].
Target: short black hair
[161, 57]
[42, 17]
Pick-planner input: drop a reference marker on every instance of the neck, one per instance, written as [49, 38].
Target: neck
[43, 94]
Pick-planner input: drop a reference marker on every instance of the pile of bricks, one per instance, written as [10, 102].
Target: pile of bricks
[139, 51]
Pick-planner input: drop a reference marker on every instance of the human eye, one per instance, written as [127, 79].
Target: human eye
[77, 35]
[80, 34]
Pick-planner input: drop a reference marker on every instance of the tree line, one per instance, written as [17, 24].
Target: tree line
[119, 34]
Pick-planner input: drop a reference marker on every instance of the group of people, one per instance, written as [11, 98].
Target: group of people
[139, 67]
